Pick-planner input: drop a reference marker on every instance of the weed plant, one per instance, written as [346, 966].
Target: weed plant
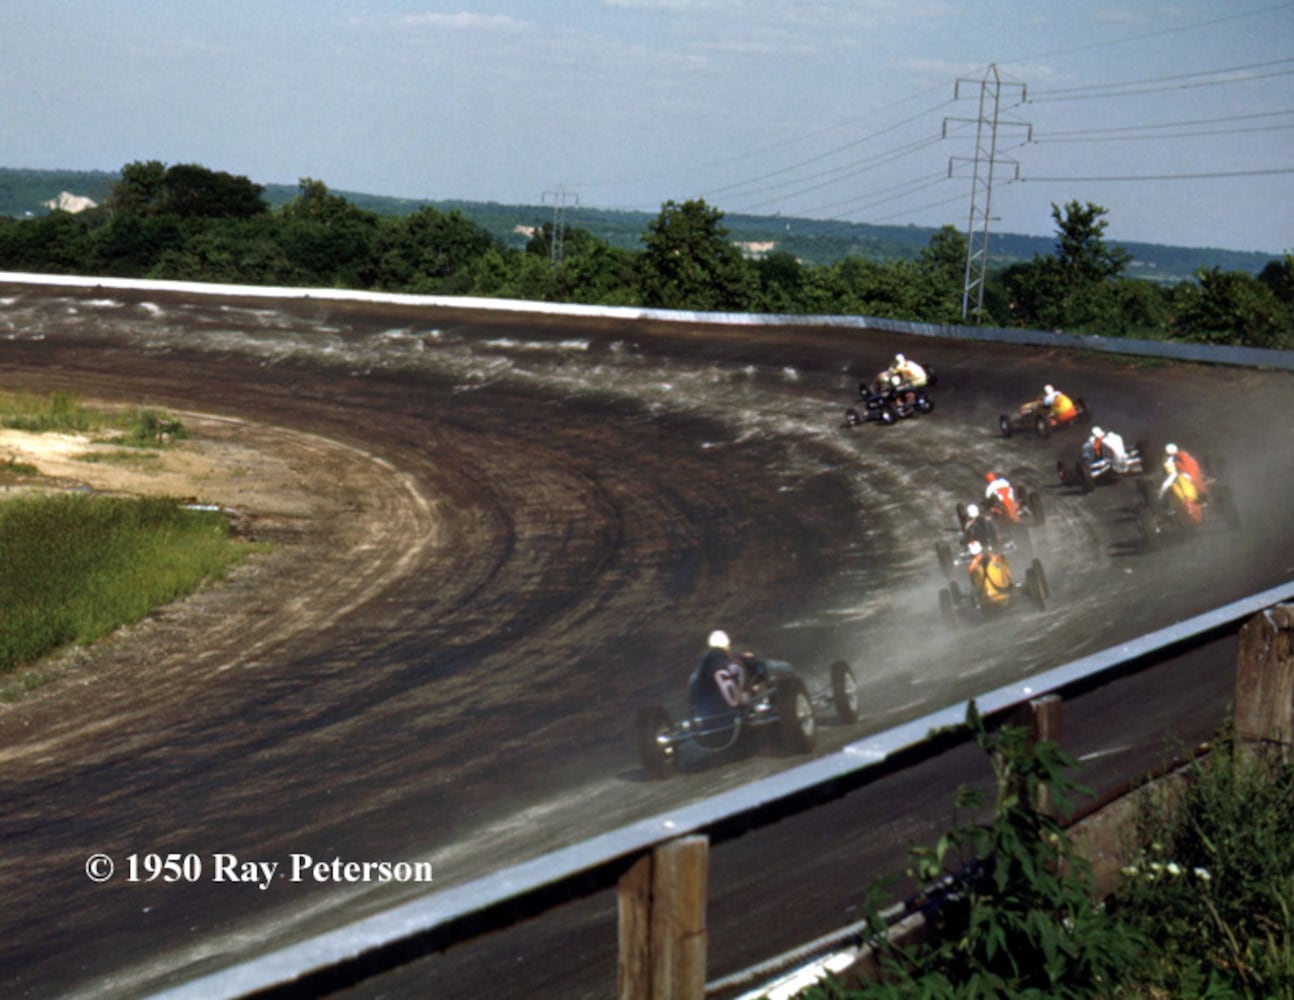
[74, 567]
[1213, 889]
[1205, 912]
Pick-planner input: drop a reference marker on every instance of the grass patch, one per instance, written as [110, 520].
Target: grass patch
[12, 468]
[74, 567]
[63, 412]
[122, 456]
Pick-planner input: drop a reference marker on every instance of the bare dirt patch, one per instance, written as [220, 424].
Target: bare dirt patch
[221, 463]
[340, 525]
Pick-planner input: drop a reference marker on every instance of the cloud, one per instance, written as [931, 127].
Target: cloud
[466, 21]
[652, 4]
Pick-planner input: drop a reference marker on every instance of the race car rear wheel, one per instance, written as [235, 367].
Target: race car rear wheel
[1004, 425]
[1085, 477]
[1148, 526]
[852, 417]
[1226, 503]
[944, 553]
[1041, 425]
[652, 728]
[796, 725]
[887, 414]
[1033, 587]
[844, 692]
[1041, 574]
[947, 609]
[924, 403]
[1036, 508]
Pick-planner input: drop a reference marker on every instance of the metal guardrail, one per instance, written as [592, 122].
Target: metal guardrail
[419, 928]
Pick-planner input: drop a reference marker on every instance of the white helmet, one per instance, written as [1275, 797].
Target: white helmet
[972, 511]
[899, 359]
[1048, 390]
[1170, 450]
[719, 639]
[1098, 433]
[975, 548]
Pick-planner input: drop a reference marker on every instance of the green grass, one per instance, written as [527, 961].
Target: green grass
[63, 412]
[75, 567]
[12, 468]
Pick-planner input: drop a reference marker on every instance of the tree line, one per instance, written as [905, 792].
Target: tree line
[187, 222]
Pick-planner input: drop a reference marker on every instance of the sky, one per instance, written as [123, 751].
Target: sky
[1176, 116]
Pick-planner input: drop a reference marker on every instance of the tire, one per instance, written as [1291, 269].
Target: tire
[924, 403]
[947, 610]
[852, 417]
[1226, 503]
[650, 724]
[962, 516]
[944, 553]
[796, 725]
[887, 414]
[1084, 414]
[1146, 490]
[1037, 508]
[1042, 426]
[1041, 574]
[1004, 425]
[1033, 587]
[1148, 528]
[844, 692]
[1085, 479]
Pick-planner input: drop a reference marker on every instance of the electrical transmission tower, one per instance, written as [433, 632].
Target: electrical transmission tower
[556, 244]
[984, 162]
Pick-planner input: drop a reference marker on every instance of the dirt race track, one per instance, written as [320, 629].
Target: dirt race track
[495, 536]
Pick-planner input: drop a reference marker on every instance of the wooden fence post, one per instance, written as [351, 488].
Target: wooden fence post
[1264, 711]
[1042, 717]
[662, 908]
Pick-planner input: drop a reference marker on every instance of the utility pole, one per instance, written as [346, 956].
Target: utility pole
[555, 245]
[985, 160]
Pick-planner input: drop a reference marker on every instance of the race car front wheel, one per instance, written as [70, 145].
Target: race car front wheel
[844, 692]
[795, 722]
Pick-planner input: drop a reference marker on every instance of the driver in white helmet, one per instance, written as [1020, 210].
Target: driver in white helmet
[724, 681]
[979, 527]
[1107, 444]
[910, 375]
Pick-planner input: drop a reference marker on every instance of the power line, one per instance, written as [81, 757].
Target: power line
[1228, 120]
[1211, 175]
[852, 206]
[736, 187]
[853, 169]
[1097, 136]
[1153, 86]
[1152, 34]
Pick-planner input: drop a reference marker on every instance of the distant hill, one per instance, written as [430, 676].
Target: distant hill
[814, 241]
